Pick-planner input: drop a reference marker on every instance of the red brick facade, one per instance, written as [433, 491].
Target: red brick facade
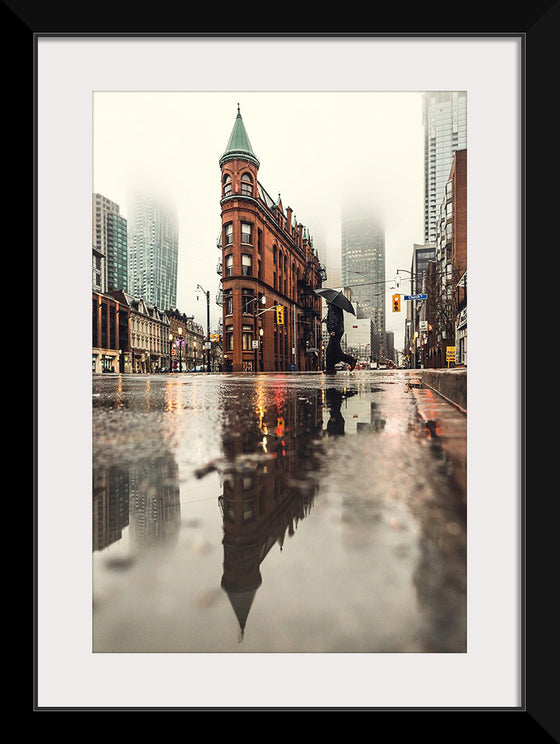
[458, 176]
[265, 254]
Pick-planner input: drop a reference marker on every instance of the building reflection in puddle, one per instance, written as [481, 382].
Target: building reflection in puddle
[273, 458]
[278, 445]
[270, 476]
[143, 496]
[138, 492]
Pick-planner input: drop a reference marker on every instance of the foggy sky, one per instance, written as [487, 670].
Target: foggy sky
[316, 149]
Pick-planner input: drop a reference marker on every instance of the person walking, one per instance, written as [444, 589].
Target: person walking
[335, 327]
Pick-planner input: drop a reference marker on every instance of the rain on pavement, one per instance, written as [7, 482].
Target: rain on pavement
[278, 512]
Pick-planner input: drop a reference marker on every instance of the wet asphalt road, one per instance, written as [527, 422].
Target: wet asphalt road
[277, 513]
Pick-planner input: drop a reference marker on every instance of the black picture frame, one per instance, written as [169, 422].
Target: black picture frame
[537, 719]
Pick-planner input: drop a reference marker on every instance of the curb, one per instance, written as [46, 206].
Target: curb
[450, 384]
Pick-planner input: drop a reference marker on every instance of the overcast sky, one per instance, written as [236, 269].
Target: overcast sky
[315, 149]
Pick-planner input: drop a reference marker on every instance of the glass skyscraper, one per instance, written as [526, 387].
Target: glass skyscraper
[445, 132]
[153, 247]
[363, 264]
[110, 240]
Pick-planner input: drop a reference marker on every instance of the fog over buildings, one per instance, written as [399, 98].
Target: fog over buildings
[317, 150]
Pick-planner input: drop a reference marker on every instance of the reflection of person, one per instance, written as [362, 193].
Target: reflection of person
[335, 424]
[335, 327]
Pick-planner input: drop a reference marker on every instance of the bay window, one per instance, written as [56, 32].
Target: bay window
[228, 229]
[246, 233]
[246, 264]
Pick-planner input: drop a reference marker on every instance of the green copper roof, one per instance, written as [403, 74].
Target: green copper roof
[239, 145]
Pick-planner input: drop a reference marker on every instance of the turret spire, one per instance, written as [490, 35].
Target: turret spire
[239, 146]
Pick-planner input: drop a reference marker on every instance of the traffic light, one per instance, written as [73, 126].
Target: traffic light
[396, 303]
[280, 314]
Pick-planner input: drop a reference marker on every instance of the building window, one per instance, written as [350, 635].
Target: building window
[246, 233]
[247, 296]
[227, 185]
[246, 264]
[247, 338]
[228, 301]
[228, 238]
[229, 338]
[229, 265]
[246, 185]
[248, 507]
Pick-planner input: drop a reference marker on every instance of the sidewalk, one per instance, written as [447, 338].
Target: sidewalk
[447, 425]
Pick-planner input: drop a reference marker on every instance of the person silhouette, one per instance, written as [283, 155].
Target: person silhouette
[335, 424]
[335, 326]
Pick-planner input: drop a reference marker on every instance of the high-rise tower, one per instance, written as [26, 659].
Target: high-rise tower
[109, 239]
[444, 116]
[153, 246]
[363, 263]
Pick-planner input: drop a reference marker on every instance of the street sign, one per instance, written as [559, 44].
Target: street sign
[416, 297]
[423, 325]
[255, 344]
[450, 352]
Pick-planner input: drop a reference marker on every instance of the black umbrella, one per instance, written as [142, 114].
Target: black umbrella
[336, 297]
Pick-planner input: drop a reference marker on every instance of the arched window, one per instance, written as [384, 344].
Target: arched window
[227, 185]
[247, 184]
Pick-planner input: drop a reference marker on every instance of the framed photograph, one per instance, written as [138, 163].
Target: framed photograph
[287, 71]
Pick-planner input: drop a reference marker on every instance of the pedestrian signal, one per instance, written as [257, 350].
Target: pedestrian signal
[396, 303]
[280, 315]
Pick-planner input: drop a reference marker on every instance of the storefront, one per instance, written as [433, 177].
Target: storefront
[104, 360]
[110, 360]
[461, 338]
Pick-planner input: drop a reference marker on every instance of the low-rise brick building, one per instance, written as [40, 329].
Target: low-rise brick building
[268, 262]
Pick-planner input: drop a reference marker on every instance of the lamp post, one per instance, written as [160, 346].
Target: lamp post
[170, 352]
[255, 334]
[180, 332]
[207, 324]
[412, 313]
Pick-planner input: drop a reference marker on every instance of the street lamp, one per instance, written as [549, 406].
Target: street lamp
[207, 323]
[255, 337]
[180, 332]
[170, 352]
[412, 311]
